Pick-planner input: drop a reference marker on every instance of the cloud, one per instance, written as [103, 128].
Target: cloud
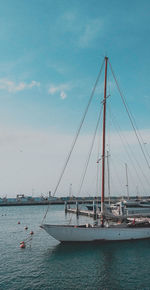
[61, 89]
[63, 95]
[34, 84]
[12, 87]
[52, 90]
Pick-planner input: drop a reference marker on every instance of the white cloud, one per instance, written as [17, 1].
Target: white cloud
[12, 87]
[52, 90]
[61, 89]
[63, 95]
[34, 84]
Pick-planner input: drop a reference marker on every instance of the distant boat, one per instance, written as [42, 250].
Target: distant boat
[107, 230]
[90, 207]
[137, 203]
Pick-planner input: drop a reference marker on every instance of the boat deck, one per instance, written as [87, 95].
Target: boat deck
[90, 213]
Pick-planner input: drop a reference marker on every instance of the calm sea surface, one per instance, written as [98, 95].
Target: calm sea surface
[46, 264]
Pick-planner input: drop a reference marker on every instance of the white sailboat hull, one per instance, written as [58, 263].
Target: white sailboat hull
[69, 233]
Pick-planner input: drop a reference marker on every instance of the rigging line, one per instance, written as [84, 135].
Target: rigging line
[77, 134]
[116, 176]
[142, 140]
[98, 167]
[127, 147]
[138, 132]
[90, 151]
[146, 149]
[129, 173]
[137, 127]
[79, 129]
[70, 219]
[129, 115]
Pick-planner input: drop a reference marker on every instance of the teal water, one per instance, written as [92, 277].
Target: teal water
[46, 264]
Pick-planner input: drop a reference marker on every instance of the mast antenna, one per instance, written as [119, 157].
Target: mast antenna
[127, 180]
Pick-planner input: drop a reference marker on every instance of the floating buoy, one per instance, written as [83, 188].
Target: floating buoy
[19, 223]
[22, 245]
[26, 228]
[31, 233]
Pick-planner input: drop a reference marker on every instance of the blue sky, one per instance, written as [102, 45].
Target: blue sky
[50, 55]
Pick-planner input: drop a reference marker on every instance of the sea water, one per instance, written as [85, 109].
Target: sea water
[47, 264]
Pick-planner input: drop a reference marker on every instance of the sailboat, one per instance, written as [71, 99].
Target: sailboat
[105, 231]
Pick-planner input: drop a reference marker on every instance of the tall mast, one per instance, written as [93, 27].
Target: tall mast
[103, 144]
[127, 181]
[108, 176]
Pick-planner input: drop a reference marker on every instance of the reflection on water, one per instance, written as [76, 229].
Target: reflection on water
[102, 265]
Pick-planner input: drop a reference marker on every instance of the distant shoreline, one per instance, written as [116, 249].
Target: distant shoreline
[55, 202]
[29, 203]
[60, 201]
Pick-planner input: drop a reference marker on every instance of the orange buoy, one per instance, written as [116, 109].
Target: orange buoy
[31, 233]
[26, 228]
[22, 245]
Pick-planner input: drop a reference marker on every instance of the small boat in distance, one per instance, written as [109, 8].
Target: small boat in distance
[90, 207]
[107, 229]
[137, 203]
